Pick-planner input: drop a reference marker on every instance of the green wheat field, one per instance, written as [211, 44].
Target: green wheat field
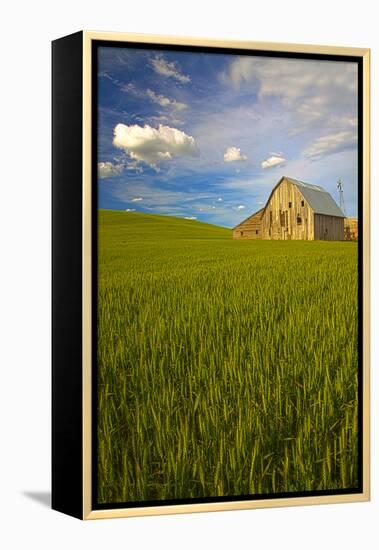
[224, 367]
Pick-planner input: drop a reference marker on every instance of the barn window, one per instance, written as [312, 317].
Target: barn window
[241, 233]
[298, 220]
[302, 203]
[256, 231]
[270, 217]
[289, 204]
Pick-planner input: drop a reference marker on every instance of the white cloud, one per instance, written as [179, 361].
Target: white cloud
[172, 105]
[164, 101]
[190, 217]
[313, 93]
[163, 119]
[240, 70]
[133, 165]
[241, 207]
[129, 88]
[220, 199]
[332, 143]
[152, 145]
[169, 69]
[233, 154]
[293, 78]
[158, 98]
[274, 160]
[108, 169]
[137, 199]
[130, 209]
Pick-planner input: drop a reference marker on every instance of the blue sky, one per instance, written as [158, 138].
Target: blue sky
[207, 136]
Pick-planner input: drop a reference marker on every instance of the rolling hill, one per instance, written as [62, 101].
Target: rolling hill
[140, 226]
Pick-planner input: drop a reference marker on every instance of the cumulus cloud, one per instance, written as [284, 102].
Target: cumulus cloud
[332, 143]
[275, 159]
[220, 199]
[164, 101]
[233, 154]
[137, 199]
[152, 145]
[130, 209]
[190, 217]
[169, 69]
[240, 207]
[108, 169]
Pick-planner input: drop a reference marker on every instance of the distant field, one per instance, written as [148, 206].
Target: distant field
[225, 367]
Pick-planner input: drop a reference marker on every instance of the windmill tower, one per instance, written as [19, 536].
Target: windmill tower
[342, 201]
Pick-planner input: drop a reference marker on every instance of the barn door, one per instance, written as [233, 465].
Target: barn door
[287, 236]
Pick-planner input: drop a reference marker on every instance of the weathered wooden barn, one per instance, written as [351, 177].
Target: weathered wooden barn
[295, 211]
[251, 228]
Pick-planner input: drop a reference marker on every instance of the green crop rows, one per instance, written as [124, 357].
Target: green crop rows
[224, 367]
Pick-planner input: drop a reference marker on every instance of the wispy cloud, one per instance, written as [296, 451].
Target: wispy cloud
[137, 199]
[171, 106]
[314, 93]
[164, 101]
[330, 144]
[169, 69]
[240, 70]
[154, 196]
[108, 169]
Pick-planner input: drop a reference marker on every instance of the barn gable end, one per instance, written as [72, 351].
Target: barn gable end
[287, 214]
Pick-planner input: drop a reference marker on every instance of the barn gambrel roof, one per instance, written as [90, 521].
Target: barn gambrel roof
[318, 199]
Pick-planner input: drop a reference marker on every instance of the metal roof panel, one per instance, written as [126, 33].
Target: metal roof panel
[318, 199]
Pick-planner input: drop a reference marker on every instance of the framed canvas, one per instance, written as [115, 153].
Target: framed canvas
[210, 275]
